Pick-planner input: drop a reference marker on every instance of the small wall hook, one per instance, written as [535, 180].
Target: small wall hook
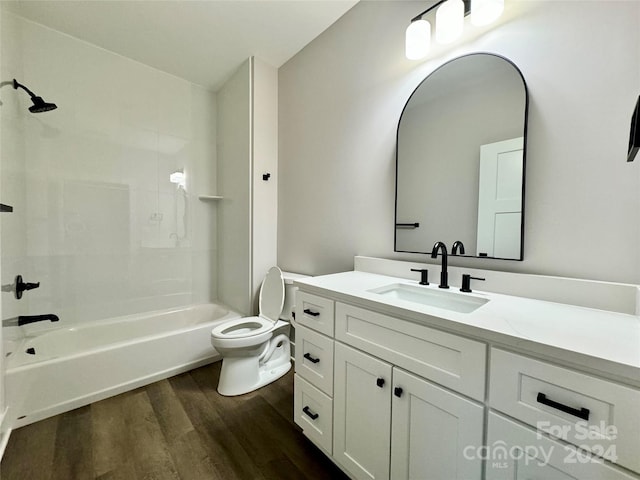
[266, 176]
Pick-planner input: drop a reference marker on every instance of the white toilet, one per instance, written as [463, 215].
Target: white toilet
[251, 358]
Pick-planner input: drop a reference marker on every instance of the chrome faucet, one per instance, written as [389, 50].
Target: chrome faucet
[444, 276]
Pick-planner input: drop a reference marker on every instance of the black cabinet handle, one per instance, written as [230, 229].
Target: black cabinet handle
[309, 312]
[308, 411]
[398, 391]
[310, 358]
[380, 382]
[583, 413]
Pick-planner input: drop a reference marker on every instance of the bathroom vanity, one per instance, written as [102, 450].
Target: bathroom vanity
[399, 380]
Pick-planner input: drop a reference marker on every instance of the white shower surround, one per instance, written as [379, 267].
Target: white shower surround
[77, 365]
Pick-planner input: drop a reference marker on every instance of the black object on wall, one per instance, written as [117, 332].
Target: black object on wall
[634, 134]
[39, 105]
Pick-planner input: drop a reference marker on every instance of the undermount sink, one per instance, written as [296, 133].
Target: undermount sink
[455, 302]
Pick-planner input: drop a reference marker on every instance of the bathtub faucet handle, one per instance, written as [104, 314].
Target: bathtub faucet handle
[21, 286]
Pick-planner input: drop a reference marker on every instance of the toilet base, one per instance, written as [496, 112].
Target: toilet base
[240, 375]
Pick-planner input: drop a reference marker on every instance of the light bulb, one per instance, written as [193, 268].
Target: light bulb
[483, 12]
[418, 39]
[449, 21]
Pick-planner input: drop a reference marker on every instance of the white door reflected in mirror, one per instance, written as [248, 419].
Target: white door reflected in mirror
[500, 199]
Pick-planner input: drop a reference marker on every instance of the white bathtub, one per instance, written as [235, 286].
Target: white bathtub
[75, 366]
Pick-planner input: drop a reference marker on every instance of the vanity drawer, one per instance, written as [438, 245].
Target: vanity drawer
[517, 452]
[313, 412]
[452, 361]
[314, 358]
[600, 416]
[314, 312]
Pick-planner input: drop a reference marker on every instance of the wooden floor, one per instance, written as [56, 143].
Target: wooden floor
[179, 428]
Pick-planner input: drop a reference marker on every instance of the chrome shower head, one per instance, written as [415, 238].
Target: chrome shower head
[39, 105]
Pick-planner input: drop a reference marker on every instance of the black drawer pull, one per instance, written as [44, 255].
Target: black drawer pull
[312, 415]
[398, 391]
[310, 358]
[309, 312]
[380, 382]
[583, 413]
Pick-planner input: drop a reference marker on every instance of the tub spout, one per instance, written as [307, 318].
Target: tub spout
[24, 319]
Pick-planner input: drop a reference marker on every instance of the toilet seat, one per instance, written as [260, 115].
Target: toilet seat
[271, 302]
[242, 327]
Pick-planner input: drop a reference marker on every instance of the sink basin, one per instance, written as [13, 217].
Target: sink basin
[455, 302]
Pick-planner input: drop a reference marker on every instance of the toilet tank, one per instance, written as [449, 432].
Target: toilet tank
[289, 294]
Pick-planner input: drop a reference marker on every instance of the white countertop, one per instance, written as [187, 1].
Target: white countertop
[595, 340]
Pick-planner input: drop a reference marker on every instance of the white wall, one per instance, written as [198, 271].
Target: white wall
[96, 219]
[340, 99]
[234, 184]
[264, 160]
[247, 149]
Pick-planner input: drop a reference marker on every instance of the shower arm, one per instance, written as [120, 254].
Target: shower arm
[17, 85]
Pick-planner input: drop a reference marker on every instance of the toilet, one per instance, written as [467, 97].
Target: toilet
[252, 356]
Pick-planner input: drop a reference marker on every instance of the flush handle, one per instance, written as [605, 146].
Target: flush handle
[309, 413]
[310, 312]
[582, 413]
[310, 358]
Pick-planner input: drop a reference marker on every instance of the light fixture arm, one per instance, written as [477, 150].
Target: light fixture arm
[467, 9]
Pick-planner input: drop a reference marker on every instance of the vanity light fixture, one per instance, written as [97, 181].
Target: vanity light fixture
[449, 23]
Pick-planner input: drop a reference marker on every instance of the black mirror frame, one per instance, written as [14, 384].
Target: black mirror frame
[524, 156]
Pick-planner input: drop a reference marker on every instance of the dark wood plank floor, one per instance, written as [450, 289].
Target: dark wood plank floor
[179, 428]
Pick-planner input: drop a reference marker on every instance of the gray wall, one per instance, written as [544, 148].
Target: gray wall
[340, 99]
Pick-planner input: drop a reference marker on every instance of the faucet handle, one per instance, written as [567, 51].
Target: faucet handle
[466, 282]
[22, 286]
[424, 275]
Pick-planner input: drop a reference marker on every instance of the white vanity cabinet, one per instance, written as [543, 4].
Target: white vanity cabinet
[516, 452]
[391, 397]
[389, 423]
[313, 381]
[362, 413]
[597, 415]
[432, 431]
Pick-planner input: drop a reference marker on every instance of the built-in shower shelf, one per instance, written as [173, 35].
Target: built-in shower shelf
[208, 198]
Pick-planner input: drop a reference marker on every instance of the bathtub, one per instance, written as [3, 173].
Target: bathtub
[73, 366]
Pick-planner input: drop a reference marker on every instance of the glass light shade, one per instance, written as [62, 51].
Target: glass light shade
[449, 21]
[483, 12]
[417, 39]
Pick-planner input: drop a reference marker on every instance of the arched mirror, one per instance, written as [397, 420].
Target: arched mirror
[460, 160]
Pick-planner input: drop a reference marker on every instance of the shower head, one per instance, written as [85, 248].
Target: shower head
[39, 105]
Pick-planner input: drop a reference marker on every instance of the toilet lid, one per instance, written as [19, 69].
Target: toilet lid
[272, 295]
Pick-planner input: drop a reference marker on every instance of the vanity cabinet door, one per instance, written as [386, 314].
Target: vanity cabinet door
[430, 429]
[362, 413]
[517, 452]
